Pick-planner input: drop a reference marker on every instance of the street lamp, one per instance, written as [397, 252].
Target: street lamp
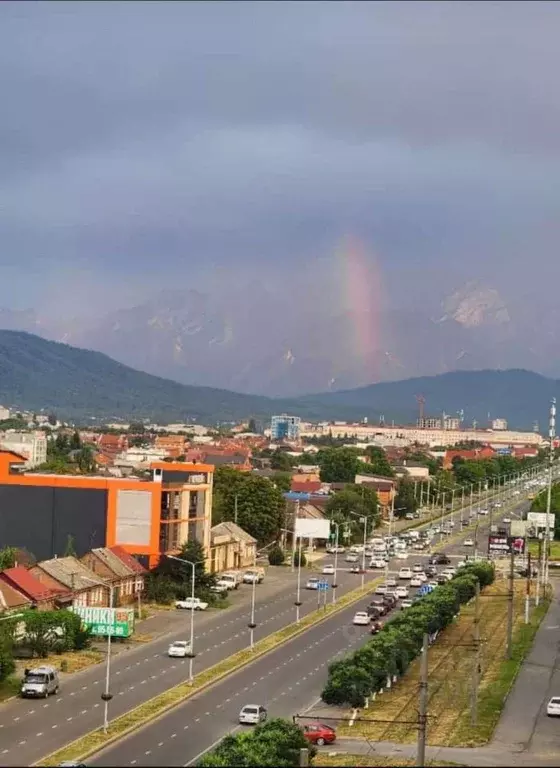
[298, 588]
[334, 584]
[363, 519]
[191, 650]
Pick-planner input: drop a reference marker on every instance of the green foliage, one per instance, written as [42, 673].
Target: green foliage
[159, 588]
[281, 461]
[70, 550]
[75, 442]
[260, 504]
[275, 743]
[282, 480]
[276, 556]
[354, 498]
[540, 502]
[8, 558]
[172, 579]
[51, 631]
[338, 465]
[405, 502]
[297, 559]
[378, 462]
[352, 679]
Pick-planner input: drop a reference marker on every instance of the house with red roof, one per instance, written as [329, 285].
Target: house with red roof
[12, 601]
[40, 595]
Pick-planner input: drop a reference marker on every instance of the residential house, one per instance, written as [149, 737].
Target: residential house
[472, 454]
[126, 581]
[11, 600]
[173, 445]
[83, 586]
[385, 487]
[311, 486]
[40, 595]
[412, 470]
[306, 477]
[231, 548]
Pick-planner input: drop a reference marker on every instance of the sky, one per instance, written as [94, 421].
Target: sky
[150, 145]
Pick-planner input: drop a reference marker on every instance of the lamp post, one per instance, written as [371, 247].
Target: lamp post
[298, 588]
[191, 641]
[363, 520]
[336, 540]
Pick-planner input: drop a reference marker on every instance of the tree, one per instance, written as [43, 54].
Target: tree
[179, 574]
[338, 465]
[405, 503]
[51, 418]
[281, 461]
[252, 426]
[8, 558]
[75, 441]
[297, 562]
[136, 428]
[70, 550]
[276, 555]
[378, 462]
[282, 480]
[85, 460]
[354, 498]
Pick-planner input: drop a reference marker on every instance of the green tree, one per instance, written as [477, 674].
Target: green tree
[405, 503]
[276, 555]
[75, 441]
[378, 462]
[354, 498]
[297, 559]
[338, 465]
[179, 574]
[282, 480]
[136, 428]
[281, 461]
[539, 504]
[252, 426]
[51, 418]
[8, 558]
[70, 550]
[85, 460]
[260, 503]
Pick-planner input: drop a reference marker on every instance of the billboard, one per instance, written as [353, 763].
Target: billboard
[505, 545]
[117, 622]
[538, 519]
[519, 527]
[312, 529]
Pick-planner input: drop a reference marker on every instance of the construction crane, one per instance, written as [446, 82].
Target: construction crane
[421, 400]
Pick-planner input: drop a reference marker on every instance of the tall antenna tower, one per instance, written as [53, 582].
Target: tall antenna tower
[421, 400]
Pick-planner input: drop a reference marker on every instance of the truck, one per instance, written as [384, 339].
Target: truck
[230, 580]
[191, 603]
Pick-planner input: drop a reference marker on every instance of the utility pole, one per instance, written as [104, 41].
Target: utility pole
[509, 649]
[423, 706]
[528, 590]
[539, 566]
[476, 665]
[551, 435]
[235, 509]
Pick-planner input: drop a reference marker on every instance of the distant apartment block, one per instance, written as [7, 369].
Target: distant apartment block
[285, 427]
[500, 424]
[4, 413]
[31, 445]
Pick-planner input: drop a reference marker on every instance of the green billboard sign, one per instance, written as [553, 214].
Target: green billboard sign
[116, 622]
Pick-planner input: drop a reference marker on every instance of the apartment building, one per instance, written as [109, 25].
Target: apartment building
[31, 445]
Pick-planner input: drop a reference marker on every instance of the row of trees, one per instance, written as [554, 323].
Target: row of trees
[66, 454]
[275, 743]
[540, 502]
[388, 655]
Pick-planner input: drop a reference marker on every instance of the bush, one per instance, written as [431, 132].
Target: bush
[276, 556]
[303, 559]
[366, 671]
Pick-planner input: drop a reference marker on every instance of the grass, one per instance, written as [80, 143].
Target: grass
[73, 661]
[371, 760]
[450, 663]
[92, 742]
[554, 549]
[10, 687]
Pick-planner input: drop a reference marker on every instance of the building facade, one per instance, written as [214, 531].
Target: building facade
[147, 518]
[285, 427]
[32, 445]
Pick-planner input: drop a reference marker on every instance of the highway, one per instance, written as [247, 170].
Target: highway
[286, 681]
[29, 729]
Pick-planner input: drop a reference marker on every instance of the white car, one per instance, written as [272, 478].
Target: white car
[405, 573]
[469, 543]
[252, 714]
[328, 570]
[351, 558]
[406, 604]
[402, 556]
[312, 583]
[377, 564]
[334, 550]
[361, 619]
[553, 707]
[191, 603]
[417, 568]
[433, 584]
[391, 583]
[415, 581]
[402, 592]
[381, 589]
[180, 649]
[482, 511]
[422, 576]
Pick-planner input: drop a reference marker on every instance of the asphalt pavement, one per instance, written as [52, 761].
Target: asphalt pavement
[287, 681]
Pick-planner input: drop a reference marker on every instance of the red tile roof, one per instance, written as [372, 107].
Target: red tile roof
[128, 559]
[20, 579]
[302, 486]
[11, 598]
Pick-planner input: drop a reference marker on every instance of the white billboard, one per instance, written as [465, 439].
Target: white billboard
[518, 527]
[538, 519]
[312, 529]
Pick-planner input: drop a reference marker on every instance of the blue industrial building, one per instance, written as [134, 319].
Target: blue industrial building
[285, 427]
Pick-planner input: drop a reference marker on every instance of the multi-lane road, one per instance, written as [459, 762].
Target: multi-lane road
[286, 681]
[31, 729]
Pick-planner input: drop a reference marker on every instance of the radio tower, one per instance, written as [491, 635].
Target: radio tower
[421, 400]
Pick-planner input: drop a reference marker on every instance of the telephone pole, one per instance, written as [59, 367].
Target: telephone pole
[423, 706]
[551, 435]
[509, 649]
[528, 590]
[476, 666]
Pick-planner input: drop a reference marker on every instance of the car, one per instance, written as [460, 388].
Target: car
[357, 569]
[378, 606]
[391, 583]
[390, 601]
[482, 512]
[191, 603]
[468, 542]
[553, 707]
[361, 619]
[507, 520]
[416, 581]
[71, 764]
[433, 584]
[442, 580]
[180, 649]
[402, 592]
[376, 627]
[335, 550]
[377, 564]
[351, 558]
[417, 568]
[422, 576]
[381, 589]
[250, 577]
[431, 570]
[312, 583]
[402, 555]
[319, 734]
[405, 573]
[406, 604]
[439, 560]
[328, 570]
[409, 516]
[252, 714]
[219, 590]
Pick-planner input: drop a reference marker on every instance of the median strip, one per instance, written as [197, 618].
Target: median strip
[134, 719]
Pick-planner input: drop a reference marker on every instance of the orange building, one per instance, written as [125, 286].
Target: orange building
[147, 518]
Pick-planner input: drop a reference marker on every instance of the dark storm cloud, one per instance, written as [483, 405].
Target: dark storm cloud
[216, 133]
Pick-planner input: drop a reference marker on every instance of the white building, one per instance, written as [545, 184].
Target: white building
[33, 445]
[499, 424]
[4, 413]
[140, 458]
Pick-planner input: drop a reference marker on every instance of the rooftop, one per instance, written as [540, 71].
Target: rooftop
[232, 529]
[70, 572]
[20, 578]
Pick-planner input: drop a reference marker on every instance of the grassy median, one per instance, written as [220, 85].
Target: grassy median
[160, 704]
[450, 663]
[372, 760]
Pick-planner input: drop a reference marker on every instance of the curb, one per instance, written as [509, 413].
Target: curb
[45, 761]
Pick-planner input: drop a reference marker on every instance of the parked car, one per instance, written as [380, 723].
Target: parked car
[553, 707]
[253, 575]
[252, 714]
[468, 542]
[180, 649]
[319, 734]
[361, 619]
[417, 568]
[191, 603]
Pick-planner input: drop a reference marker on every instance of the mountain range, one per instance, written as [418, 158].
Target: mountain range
[290, 341]
[81, 385]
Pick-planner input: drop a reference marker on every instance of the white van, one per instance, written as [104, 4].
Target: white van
[40, 682]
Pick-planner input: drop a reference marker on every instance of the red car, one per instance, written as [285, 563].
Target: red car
[319, 734]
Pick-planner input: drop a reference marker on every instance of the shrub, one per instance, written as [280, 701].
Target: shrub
[276, 556]
[297, 557]
[353, 679]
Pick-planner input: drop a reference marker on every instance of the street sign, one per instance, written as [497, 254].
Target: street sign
[117, 622]
[322, 586]
[425, 589]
